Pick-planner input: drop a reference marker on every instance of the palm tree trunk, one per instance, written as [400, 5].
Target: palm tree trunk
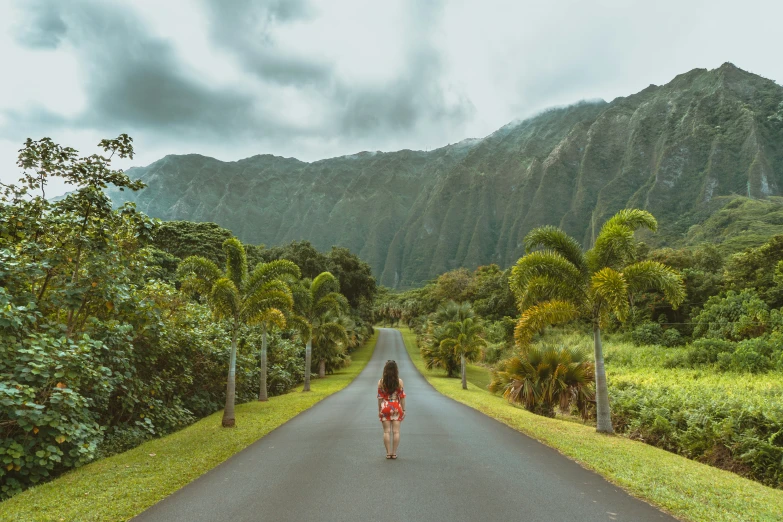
[262, 389]
[603, 413]
[322, 368]
[464, 376]
[228, 412]
[308, 362]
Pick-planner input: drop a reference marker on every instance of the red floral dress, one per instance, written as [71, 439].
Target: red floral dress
[390, 404]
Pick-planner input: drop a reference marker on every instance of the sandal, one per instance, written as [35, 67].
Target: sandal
[389, 456]
[393, 457]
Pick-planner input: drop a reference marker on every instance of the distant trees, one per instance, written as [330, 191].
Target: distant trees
[354, 276]
[557, 282]
[314, 300]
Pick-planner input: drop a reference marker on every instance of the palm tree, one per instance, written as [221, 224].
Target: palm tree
[238, 298]
[313, 299]
[330, 339]
[434, 355]
[541, 378]
[560, 283]
[267, 274]
[464, 338]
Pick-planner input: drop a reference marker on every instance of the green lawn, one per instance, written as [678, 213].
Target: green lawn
[687, 489]
[478, 375]
[122, 486]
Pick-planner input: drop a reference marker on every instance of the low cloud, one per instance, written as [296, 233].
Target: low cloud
[44, 28]
[135, 80]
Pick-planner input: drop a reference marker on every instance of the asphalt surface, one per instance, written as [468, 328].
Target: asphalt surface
[453, 464]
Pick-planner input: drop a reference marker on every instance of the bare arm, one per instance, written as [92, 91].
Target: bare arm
[402, 401]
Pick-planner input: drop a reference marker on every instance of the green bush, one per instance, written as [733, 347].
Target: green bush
[745, 358]
[671, 338]
[647, 333]
[734, 317]
[707, 351]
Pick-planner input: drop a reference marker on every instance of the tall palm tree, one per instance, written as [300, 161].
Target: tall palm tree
[267, 274]
[313, 299]
[238, 298]
[560, 282]
[464, 338]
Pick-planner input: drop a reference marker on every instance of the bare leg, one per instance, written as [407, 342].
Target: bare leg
[387, 436]
[396, 430]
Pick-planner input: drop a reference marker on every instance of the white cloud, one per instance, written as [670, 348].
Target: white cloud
[321, 79]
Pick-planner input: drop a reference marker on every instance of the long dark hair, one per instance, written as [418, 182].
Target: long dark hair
[391, 377]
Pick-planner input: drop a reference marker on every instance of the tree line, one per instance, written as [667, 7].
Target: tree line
[115, 327]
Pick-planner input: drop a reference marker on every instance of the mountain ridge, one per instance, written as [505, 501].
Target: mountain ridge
[413, 214]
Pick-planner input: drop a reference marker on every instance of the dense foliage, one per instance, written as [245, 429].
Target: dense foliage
[732, 420]
[99, 347]
[704, 381]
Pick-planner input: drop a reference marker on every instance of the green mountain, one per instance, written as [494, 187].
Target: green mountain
[680, 150]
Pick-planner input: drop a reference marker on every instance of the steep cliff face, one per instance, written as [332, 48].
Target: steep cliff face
[671, 149]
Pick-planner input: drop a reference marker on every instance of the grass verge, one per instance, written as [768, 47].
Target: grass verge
[685, 488]
[122, 486]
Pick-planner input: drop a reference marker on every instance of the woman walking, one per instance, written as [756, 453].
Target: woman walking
[391, 407]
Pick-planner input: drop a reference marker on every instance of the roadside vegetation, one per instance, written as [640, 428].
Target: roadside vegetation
[116, 329]
[687, 489]
[122, 486]
[691, 340]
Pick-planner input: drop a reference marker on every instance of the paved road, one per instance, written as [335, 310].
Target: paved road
[454, 464]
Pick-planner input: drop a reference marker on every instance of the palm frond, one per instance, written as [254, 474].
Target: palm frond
[652, 275]
[611, 287]
[634, 219]
[225, 299]
[303, 298]
[535, 318]
[324, 283]
[332, 302]
[280, 269]
[205, 271]
[543, 263]
[272, 317]
[545, 377]
[236, 262]
[300, 325]
[452, 311]
[552, 238]
[547, 288]
[257, 304]
[614, 247]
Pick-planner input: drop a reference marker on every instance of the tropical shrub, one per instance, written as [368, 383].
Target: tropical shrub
[543, 378]
[671, 337]
[647, 333]
[735, 316]
[707, 351]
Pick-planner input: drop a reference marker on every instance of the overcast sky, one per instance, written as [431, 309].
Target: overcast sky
[316, 79]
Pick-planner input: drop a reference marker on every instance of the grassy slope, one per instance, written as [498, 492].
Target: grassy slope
[122, 486]
[687, 489]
